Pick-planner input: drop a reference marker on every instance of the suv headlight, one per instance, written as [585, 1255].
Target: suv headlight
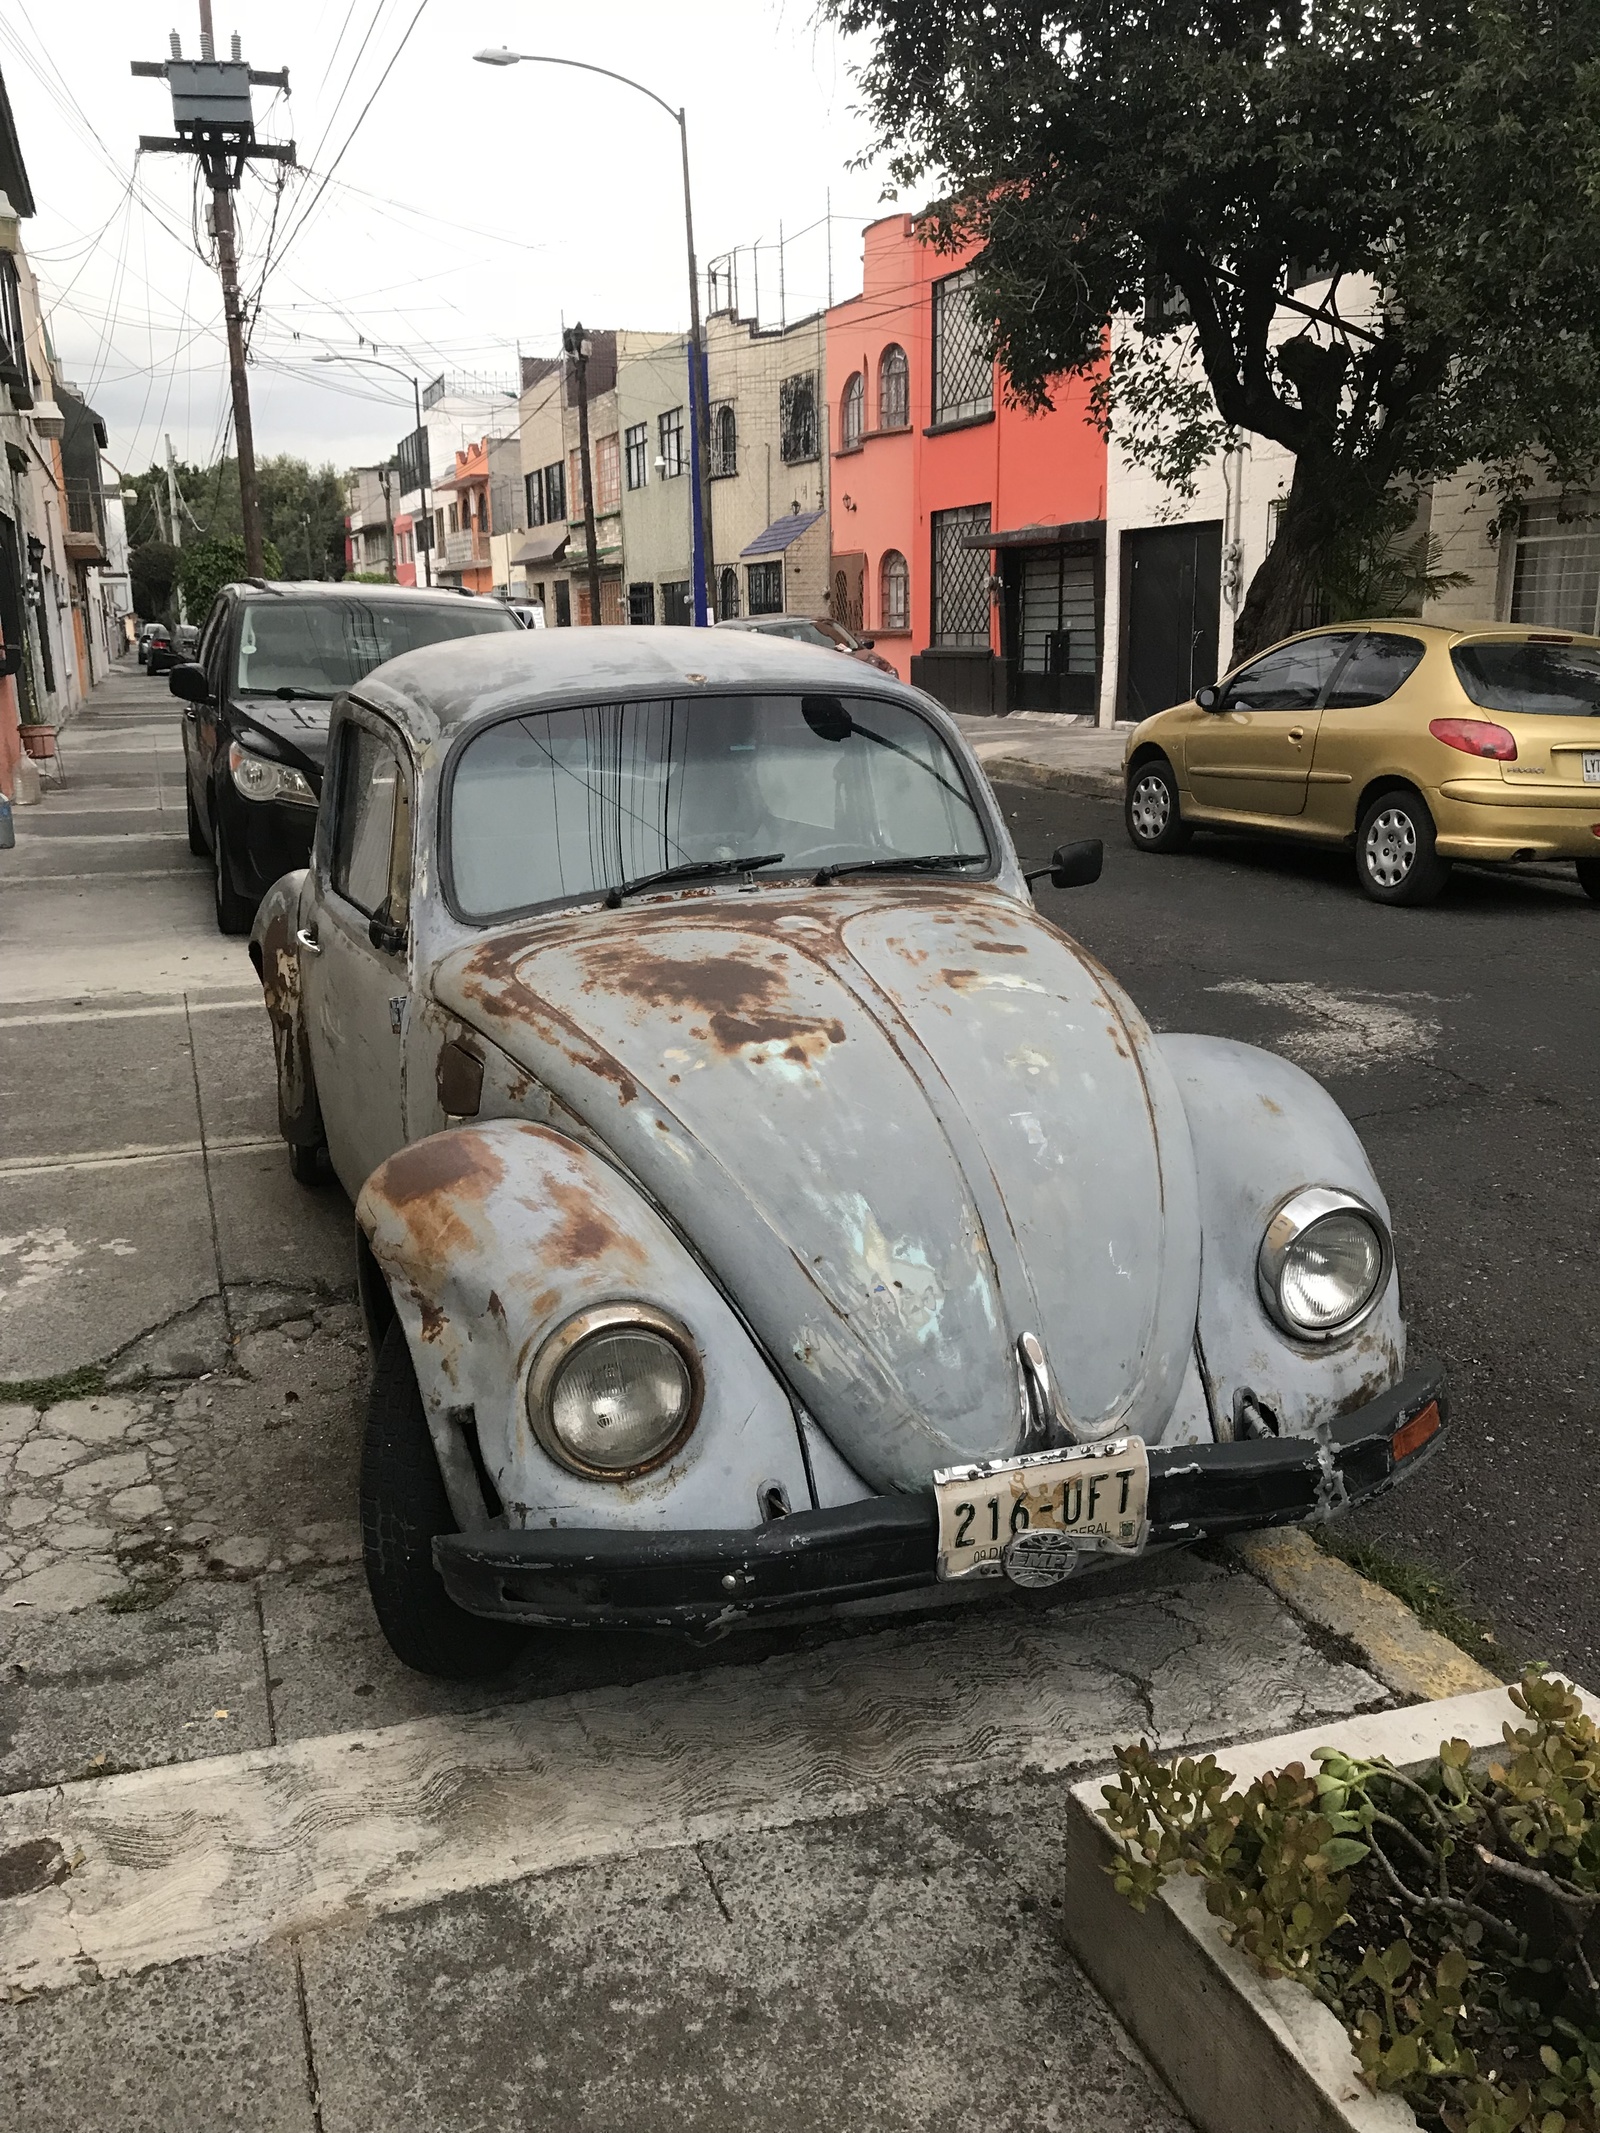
[615, 1391]
[258, 777]
[1323, 1263]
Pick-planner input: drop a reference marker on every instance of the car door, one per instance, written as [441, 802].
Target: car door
[1252, 755]
[354, 949]
[1366, 714]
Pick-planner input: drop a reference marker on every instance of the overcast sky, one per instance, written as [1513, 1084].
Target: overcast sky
[473, 209]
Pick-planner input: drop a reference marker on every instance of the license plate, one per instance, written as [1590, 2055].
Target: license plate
[1591, 766]
[1089, 1498]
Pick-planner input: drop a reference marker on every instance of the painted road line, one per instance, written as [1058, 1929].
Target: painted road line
[34, 1166]
[223, 1854]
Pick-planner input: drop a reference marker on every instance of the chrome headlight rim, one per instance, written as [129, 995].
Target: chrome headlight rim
[1291, 1219]
[621, 1316]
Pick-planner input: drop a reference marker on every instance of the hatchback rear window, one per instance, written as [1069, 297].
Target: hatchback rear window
[1545, 680]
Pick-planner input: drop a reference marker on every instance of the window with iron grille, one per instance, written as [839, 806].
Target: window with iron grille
[894, 591]
[575, 479]
[677, 603]
[894, 388]
[797, 417]
[533, 492]
[12, 353]
[765, 587]
[669, 437]
[608, 473]
[963, 369]
[636, 454]
[852, 412]
[1556, 580]
[960, 578]
[728, 595]
[641, 604]
[555, 493]
[724, 442]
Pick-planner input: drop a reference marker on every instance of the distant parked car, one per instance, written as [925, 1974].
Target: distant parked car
[148, 635]
[1414, 744]
[255, 724]
[819, 630]
[172, 647]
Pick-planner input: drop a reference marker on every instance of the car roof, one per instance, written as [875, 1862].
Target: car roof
[342, 589]
[445, 686]
[1443, 632]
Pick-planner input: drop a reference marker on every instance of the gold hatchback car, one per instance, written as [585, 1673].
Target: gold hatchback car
[1417, 745]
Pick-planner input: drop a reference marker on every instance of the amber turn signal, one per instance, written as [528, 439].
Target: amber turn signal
[1413, 1435]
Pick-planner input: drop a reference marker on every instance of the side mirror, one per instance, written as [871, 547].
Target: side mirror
[188, 680]
[868, 644]
[1072, 866]
[388, 937]
[1209, 698]
[827, 717]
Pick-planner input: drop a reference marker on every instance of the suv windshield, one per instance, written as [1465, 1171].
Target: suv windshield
[567, 804]
[1551, 680]
[319, 647]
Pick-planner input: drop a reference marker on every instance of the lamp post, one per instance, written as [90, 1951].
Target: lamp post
[699, 424]
[378, 363]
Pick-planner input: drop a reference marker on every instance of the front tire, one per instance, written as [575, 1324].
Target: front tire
[1589, 878]
[306, 1166]
[1150, 808]
[234, 912]
[403, 1505]
[1396, 862]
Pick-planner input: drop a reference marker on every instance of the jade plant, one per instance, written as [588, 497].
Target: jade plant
[1449, 1915]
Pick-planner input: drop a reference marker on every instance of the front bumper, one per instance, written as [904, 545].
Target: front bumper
[692, 1580]
[263, 839]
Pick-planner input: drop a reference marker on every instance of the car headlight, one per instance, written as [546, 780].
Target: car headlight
[1323, 1263]
[258, 777]
[615, 1391]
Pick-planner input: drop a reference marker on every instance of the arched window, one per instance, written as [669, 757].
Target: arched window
[728, 590]
[894, 591]
[894, 389]
[724, 441]
[852, 411]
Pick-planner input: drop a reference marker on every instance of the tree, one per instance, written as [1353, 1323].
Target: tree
[302, 510]
[206, 566]
[1171, 174]
[153, 569]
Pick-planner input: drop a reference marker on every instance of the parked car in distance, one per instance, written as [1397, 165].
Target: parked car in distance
[759, 1206]
[172, 647]
[819, 630]
[147, 631]
[257, 693]
[1410, 743]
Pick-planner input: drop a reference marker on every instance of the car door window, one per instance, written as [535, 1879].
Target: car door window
[1291, 677]
[1375, 669]
[372, 843]
[209, 653]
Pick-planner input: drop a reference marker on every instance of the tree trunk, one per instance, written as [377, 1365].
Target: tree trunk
[1326, 503]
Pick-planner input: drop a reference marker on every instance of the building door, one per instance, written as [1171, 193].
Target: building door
[1172, 588]
[1052, 628]
[847, 603]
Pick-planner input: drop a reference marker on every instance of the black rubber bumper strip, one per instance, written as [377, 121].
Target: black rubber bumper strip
[707, 1578]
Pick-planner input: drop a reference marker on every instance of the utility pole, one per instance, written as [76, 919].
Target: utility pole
[576, 343]
[172, 519]
[214, 122]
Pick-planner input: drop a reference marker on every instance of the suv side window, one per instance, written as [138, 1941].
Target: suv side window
[1374, 670]
[372, 830]
[1291, 677]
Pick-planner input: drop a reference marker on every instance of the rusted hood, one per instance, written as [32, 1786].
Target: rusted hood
[902, 1125]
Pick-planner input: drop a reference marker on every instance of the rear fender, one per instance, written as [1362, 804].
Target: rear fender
[277, 960]
[488, 1238]
[1262, 1129]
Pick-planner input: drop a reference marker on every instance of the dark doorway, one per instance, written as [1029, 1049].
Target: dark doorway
[1050, 602]
[1172, 578]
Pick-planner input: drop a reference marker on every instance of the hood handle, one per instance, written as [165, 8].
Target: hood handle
[1045, 1422]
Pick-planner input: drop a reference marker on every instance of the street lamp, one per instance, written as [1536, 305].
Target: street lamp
[699, 425]
[377, 362]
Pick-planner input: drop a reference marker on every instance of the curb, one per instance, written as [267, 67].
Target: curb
[1413, 1662]
[1023, 770]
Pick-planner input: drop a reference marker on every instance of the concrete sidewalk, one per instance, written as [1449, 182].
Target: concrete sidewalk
[1041, 748]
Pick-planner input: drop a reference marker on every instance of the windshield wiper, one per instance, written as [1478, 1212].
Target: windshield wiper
[690, 870]
[307, 696]
[895, 863]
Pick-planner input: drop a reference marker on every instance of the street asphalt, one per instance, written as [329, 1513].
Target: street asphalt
[1462, 1040]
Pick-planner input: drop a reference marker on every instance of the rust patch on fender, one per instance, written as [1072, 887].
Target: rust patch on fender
[426, 1185]
[999, 947]
[960, 980]
[585, 1232]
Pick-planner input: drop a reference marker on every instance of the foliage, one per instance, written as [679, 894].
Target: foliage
[206, 566]
[77, 1384]
[1432, 1596]
[153, 568]
[302, 510]
[1422, 176]
[1450, 1918]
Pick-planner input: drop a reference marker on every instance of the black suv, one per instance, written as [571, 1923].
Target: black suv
[257, 695]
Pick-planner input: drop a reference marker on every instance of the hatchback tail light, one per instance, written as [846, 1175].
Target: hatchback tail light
[1475, 736]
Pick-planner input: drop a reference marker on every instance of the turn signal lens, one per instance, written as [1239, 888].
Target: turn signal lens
[1413, 1435]
[1475, 736]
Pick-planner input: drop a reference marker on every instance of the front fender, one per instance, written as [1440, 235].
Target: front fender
[489, 1237]
[1262, 1129]
[277, 961]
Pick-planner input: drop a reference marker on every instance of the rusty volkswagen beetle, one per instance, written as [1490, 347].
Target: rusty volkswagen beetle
[759, 1205]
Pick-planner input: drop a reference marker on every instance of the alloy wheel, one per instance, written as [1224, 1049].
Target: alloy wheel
[1150, 807]
[1391, 847]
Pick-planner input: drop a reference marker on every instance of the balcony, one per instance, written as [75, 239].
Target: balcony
[83, 534]
[465, 551]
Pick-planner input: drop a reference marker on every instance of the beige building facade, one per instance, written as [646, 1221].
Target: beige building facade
[769, 466]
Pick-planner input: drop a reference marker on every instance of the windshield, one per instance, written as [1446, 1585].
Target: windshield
[1551, 680]
[319, 647]
[567, 804]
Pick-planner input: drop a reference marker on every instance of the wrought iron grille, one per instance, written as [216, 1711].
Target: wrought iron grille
[963, 368]
[960, 582]
[852, 412]
[797, 417]
[894, 389]
[766, 588]
[895, 592]
[724, 442]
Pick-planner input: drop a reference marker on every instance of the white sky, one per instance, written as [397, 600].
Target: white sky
[475, 209]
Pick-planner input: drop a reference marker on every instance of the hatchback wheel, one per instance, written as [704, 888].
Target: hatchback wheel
[1151, 811]
[1589, 878]
[1396, 862]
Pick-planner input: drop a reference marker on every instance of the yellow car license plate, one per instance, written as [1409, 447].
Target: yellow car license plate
[1086, 1498]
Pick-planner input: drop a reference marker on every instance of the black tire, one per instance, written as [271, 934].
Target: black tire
[197, 835]
[1395, 858]
[1150, 808]
[307, 1167]
[1589, 878]
[234, 912]
[403, 1505]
